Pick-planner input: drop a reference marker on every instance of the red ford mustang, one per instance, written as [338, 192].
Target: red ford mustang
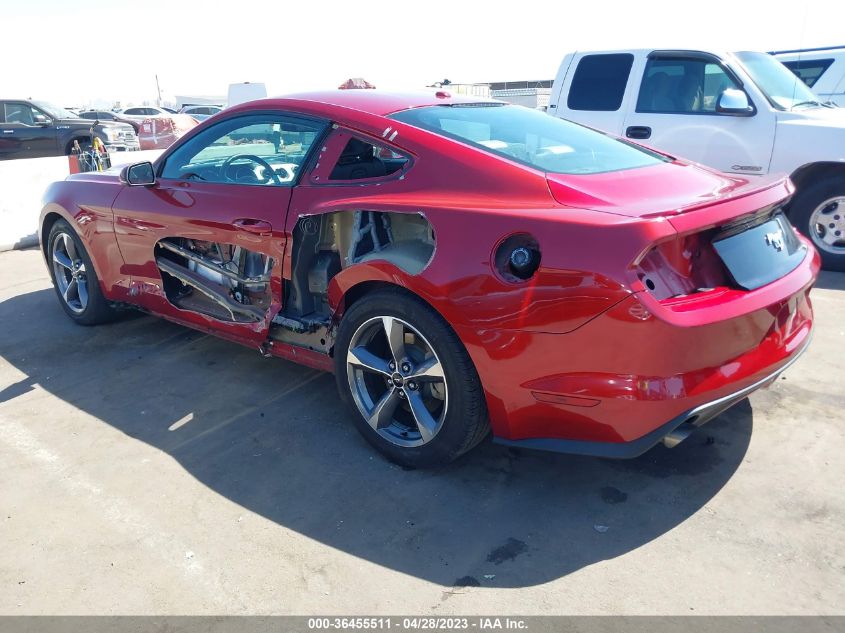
[462, 266]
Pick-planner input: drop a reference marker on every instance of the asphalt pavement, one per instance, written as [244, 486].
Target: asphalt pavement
[148, 468]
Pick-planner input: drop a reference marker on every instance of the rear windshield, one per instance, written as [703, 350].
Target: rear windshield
[530, 137]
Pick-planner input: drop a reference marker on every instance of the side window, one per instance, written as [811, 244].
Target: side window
[20, 113]
[361, 160]
[809, 70]
[599, 82]
[682, 86]
[260, 149]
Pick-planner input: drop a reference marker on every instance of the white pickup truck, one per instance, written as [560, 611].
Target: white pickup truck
[740, 113]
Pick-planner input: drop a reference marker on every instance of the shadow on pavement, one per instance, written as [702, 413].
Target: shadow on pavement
[831, 280]
[273, 437]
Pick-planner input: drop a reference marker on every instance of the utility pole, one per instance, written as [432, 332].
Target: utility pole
[158, 89]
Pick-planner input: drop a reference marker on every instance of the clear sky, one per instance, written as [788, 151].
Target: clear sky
[79, 51]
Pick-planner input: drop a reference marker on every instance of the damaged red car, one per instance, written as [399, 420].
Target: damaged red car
[464, 268]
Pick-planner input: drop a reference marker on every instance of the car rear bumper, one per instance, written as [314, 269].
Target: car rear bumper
[637, 373]
[670, 434]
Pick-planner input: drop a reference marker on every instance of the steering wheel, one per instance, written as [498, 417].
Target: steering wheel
[273, 177]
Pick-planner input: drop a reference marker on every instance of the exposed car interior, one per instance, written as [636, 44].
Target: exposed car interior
[231, 283]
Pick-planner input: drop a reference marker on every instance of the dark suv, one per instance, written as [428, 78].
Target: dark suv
[29, 129]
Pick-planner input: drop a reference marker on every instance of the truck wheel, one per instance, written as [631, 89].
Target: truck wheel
[74, 278]
[84, 143]
[819, 213]
[415, 392]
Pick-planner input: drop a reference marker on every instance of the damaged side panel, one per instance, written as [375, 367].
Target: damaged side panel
[325, 245]
[223, 281]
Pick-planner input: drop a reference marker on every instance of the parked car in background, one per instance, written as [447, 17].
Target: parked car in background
[144, 112]
[201, 112]
[107, 115]
[30, 129]
[741, 113]
[161, 132]
[573, 320]
[822, 69]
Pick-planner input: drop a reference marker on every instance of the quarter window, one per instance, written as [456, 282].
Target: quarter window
[250, 150]
[361, 159]
[682, 85]
[599, 82]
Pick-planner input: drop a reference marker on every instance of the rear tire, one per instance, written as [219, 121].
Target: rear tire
[819, 213]
[74, 278]
[419, 391]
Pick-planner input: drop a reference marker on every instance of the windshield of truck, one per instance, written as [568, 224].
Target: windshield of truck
[55, 111]
[530, 137]
[782, 88]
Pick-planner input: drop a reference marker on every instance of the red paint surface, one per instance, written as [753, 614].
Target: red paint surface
[580, 351]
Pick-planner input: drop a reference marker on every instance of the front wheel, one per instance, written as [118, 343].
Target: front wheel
[417, 396]
[74, 278]
[819, 213]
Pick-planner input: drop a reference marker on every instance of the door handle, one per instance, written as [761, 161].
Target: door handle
[256, 227]
[638, 131]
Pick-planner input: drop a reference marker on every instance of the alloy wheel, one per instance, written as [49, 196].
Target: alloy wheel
[69, 272]
[397, 381]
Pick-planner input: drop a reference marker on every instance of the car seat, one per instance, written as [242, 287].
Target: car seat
[356, 161]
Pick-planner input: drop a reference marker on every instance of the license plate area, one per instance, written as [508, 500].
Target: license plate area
[760, 255]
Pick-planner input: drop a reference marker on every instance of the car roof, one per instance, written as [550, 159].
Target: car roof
[377, 102]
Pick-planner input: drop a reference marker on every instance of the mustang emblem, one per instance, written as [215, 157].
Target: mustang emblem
[775, 240]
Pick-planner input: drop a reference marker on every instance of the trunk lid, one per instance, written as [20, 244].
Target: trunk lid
[668, 189]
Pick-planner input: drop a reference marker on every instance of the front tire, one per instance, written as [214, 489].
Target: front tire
[74, 278]
[415, 391]
[819, 213]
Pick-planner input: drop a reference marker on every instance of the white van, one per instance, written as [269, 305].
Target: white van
[741, 113]
[246, 91]
[822, 69]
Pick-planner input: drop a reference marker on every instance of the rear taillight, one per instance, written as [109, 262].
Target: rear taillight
[688, 264]
[682, 266]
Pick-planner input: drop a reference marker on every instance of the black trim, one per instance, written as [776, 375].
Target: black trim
[695, 417]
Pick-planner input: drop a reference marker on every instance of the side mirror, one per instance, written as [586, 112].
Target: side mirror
[139, 174]
[735, 102]
[40, 119]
